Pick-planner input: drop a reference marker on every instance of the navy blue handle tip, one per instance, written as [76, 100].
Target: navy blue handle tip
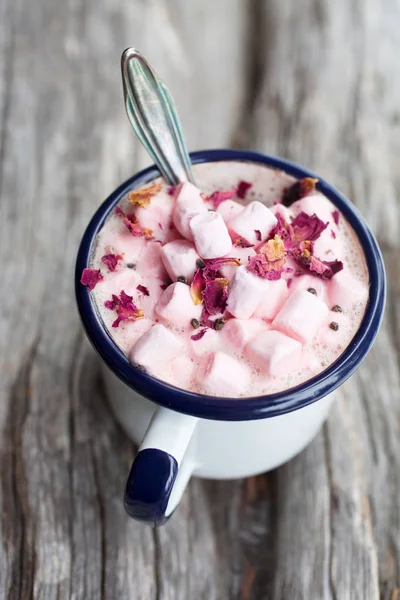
[150, 482]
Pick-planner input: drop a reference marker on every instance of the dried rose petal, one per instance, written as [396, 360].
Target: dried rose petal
[284, 230]
[130, 221]
[333, 234]
[330, 268]
[91, 277]
[260, 266]
[210, 287]
[289, 282]
[307, 227]
[258, 234]
[335, 216]
[274, 249]
[299, 190]
[198, 336]
[217, 197]
[197, 287]
[171, 191]
[143, 290]
[143, 196]
[125, 308]
[240, 242]
[111, 260]
[242, 188]
[215, 295]
[212, 267]
[205, 320]
[325, 269]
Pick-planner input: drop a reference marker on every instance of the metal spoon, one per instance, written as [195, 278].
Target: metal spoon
[152, 114]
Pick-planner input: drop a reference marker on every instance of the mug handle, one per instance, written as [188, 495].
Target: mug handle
[160, 470]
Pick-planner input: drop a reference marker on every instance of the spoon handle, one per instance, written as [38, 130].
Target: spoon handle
[152, 114]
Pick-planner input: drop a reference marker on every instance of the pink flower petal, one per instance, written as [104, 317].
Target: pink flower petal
[215, 296]
[299, 190]
[240, 242]
[217, 197]
[260, 266]
[197, 287]
[111, 260]
[199, 335]
[91, 277]
[130, 221]
[336, 216]
[307, 227]
[143, 290]
[124, 307]
[242, 188]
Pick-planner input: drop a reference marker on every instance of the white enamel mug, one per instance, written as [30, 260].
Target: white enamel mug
[181, 434]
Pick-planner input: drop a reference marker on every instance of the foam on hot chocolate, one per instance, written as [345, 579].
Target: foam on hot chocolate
[275, 343]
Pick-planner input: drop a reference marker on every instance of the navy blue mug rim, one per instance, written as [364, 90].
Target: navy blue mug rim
[236, 409]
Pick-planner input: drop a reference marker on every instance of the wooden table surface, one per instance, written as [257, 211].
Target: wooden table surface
[313, 80]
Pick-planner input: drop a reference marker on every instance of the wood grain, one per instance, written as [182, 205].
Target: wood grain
[312, 80]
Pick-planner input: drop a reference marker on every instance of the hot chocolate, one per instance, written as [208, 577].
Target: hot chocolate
[248, 284]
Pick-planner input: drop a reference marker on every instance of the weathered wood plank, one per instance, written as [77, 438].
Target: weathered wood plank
[65, 143]
[327, 101]
[322, 89]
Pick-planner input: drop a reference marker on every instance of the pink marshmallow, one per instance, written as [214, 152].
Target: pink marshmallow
[283, 210]
[236, 333]
[274, 296]
[179, 258]
[208, 343]
[148, 303]
[155, 348]
[189, 203]
[301, 316]
[304, 282]
[245, 293]
[182, 369]
[118, 240]
[123, 279]
[255, 217]
[150, 263]
[345, 290]
[157, 216]
[176, 305]
[242, 254]
[275, 353]
[315, 204]
[131, 332]
[327, 247]
[229, 209]
[210, 235]
[224, 376]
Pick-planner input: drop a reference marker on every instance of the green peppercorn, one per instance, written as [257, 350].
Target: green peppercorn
[334, 325]
[218, 324]
[337, 308]
[312, 291]
[181, 279]
[200, 263]
[195, 323]
[131, 265]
